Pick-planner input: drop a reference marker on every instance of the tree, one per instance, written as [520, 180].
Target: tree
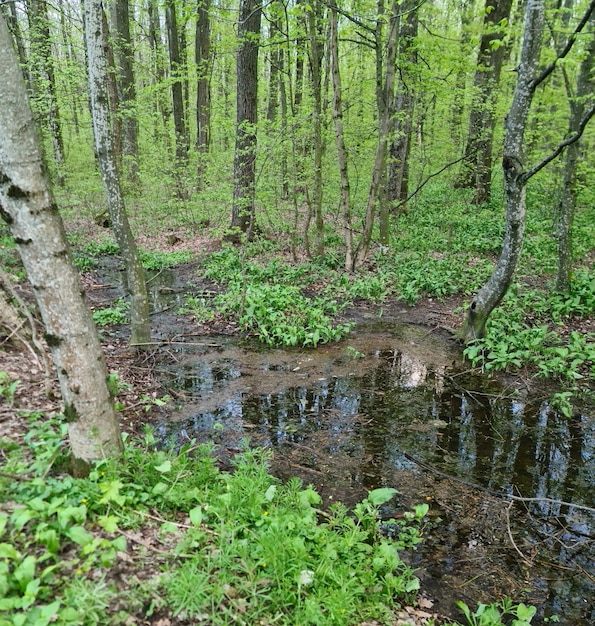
[177, 90]
[580, 103]
[44, 82]
[124, 58]
[516, 175]
[477, 166]
[243, 213]
[96, 44]
[202, 57]
[27, 205]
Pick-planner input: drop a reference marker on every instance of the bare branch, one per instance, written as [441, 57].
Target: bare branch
[562, 145]
[550, 68]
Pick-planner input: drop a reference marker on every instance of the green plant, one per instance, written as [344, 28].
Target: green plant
[201, 308]
[116, 314]
[494, 614]
[8, 387]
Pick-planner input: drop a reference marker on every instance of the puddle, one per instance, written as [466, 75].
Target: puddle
[392, 406]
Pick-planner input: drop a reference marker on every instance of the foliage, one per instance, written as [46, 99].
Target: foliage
[201, 308]
[252, 547]
[8, 387]
[116, 314]
[498, 614]
[530, 328]
[157, 260]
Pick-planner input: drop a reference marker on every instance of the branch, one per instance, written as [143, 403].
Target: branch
[433, 175]
[550, 68]
[561, 146]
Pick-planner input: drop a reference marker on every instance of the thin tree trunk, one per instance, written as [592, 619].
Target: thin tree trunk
[96, 41]
[202, 58]
[27, 205]
[341, 151]
[316, 52]
[243, 213]
[177, 92]
[585, 88]
[384, 96]
[515, 181]
[162, 107]
[402, 117]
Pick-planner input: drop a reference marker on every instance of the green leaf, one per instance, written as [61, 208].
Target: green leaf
[382, 495]
[270, 493]
[164, 467]
[79, 535]
[7, 551]
[119, 543]
[109, 523]
[196, 516]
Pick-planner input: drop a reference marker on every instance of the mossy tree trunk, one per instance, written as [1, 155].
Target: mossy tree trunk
[27, 205]
[242, 219]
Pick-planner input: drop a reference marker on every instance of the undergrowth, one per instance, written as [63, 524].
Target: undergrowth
[240, 546]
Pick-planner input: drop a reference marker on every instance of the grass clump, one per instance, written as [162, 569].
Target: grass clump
[233, 546]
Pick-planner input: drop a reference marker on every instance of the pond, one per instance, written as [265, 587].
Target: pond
[393, 405]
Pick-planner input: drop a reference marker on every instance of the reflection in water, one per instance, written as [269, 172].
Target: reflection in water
[352, 427]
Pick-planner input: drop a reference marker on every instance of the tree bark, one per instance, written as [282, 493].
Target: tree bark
[177, 89]
[44, 82]
[402, 116]
[515, 180]
[27, 205]
[243, 213]
[583, 96]
[202, 57]
[96, 44]
[341, 151]
[477, 166]
[315, 17]
[384, 98]
[124, 58]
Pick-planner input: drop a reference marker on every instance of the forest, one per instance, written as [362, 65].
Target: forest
[243, 244]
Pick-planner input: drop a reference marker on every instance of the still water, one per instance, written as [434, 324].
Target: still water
[394, 406]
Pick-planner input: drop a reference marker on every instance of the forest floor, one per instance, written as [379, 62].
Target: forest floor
[137, 371]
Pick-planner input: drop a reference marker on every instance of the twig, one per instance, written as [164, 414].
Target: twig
[512, 541]
[497, 494]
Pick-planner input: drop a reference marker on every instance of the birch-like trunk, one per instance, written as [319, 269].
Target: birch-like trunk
[515, 180]
[104, 147]
[27, 205]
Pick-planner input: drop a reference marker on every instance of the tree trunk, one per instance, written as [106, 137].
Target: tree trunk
[316, 53]
[477, 166]
[585, 88]
[515, 180]
[44, 81]
[161, 102]
[177, 90]
[104, 146]
[242, 219]
[384, 97]
[124, 58]
[341, 151]
[27, 205]
[202, 57]
[402, 117]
